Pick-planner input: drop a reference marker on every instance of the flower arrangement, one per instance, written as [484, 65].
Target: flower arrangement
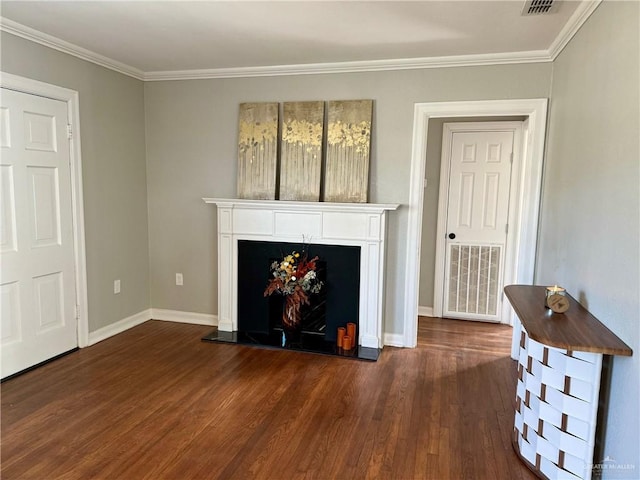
[295, 278]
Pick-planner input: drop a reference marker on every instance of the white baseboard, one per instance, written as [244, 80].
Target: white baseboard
[394, 340]
[184, 317]
[118, 327]
[425, 311]
[151, 314]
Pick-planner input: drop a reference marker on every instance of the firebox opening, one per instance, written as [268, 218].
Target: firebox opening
[259, 317]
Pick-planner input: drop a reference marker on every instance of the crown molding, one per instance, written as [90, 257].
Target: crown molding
[28, 33]
[582, 13]
[355, 67]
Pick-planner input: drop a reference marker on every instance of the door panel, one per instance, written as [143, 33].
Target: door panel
[477, 215]
[37, 279]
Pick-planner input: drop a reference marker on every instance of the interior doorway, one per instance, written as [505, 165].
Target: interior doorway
[60, 295]
[475, 196]
[528, 180]
[432, 246]
[36, 279]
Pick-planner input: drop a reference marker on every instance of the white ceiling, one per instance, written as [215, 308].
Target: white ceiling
[143, 37]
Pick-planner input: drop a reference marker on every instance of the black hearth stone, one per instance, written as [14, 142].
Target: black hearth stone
[310, 343]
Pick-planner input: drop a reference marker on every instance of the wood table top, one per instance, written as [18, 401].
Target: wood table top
[576, 329]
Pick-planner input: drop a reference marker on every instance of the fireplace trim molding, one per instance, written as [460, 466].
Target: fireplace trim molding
[354, 224]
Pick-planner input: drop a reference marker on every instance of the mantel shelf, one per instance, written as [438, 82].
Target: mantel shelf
[303, 206]
[576, 329]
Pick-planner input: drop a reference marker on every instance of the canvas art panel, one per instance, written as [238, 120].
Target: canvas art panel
[348, 151]
[301, 151]
[257, 150]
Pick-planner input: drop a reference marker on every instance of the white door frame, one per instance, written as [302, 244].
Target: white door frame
[519, 129]
[525, 231]
[71, 98]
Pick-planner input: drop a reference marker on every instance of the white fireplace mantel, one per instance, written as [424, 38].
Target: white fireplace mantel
[355, 224]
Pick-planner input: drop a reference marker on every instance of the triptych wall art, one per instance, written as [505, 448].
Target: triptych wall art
[296, 171]
[257, 150]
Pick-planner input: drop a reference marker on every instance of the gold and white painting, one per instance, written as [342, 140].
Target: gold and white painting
[301, 151]
[257, 150]
[348, 150]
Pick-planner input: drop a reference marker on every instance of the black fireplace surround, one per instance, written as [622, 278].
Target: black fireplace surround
[259, 317]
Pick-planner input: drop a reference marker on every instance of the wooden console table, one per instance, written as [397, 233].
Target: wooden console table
[562, 359]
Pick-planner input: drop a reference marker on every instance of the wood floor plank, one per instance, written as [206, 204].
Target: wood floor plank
[157, 403]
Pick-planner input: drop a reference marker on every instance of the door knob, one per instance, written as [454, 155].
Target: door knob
[452, 236]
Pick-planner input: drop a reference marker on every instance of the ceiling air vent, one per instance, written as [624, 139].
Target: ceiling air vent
[539, 7]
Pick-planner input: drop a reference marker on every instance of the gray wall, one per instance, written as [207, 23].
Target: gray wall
[113, 169]
[191, 153]
[430, 201]
[590, 211]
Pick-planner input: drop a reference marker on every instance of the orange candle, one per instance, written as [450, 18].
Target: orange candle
[351, 331]
[341, 333]
[346, 342]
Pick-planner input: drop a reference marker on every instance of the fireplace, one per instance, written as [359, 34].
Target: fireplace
[322, 224]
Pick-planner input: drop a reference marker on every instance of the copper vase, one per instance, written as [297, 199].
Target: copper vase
[291, 322]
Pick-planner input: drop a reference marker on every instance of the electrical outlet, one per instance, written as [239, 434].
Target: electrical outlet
[116, 287]
[179, 279]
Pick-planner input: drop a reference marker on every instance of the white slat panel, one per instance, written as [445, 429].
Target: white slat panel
[530, 418]
[581, 389]
[574, 465]
[569, 405]
[536, 350]
[534, 405]
[550, 414]
[565, 441]
[578, 428]
[522, 359]
[527, 451]
[552, 434]
[553, 378]
[557, 360]
[518, 422]
[550, 469]
[533, 439]
[521, 389]
[532, 383]
[573, 445]
[547, 449]
[536, 368]
[580, 369]
[586, 356]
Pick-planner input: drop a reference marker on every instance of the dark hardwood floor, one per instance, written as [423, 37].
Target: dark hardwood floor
[157, 403]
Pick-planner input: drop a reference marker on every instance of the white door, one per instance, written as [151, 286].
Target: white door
[480, 161]
[37, 283]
